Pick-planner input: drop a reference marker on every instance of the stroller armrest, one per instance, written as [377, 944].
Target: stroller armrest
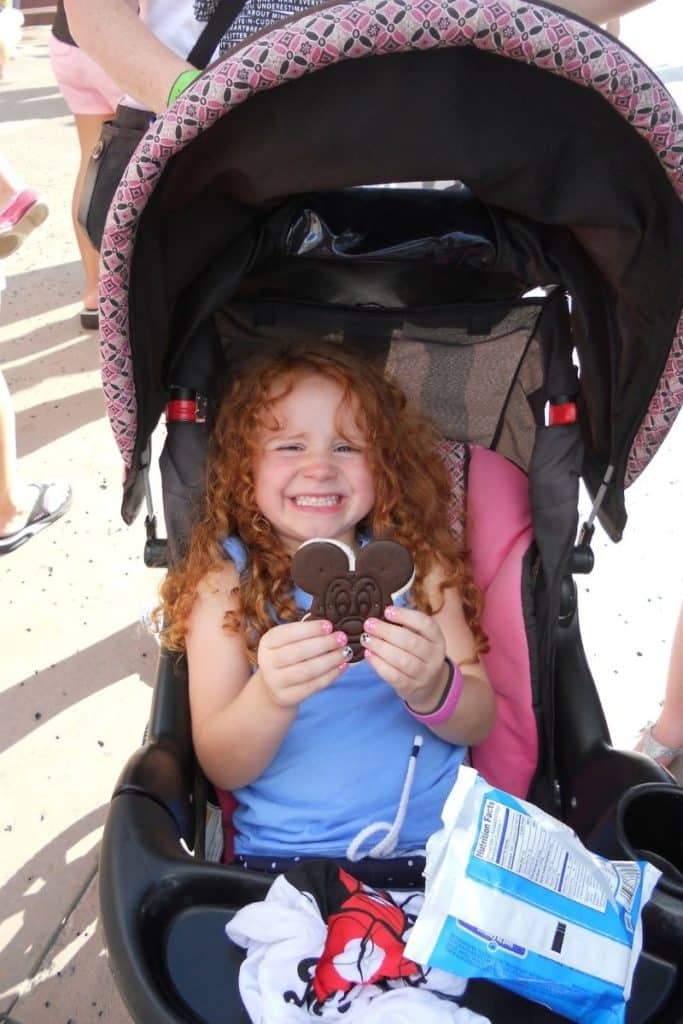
[148, 882]
[158, 772]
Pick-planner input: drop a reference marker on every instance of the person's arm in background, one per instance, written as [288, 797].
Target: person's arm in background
[111, 32]
[601, 11]
[113, 35]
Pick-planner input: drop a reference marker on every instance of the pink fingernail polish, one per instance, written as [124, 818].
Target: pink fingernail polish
[390, 612]
[341, 638]
[367, 654]
[370, 624]
[326, 627]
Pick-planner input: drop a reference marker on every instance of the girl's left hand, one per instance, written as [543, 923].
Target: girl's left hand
[408, 651]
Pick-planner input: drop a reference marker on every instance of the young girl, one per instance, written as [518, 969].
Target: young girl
[315, 750]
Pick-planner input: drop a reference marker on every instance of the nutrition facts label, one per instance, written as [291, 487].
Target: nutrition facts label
[514, 841]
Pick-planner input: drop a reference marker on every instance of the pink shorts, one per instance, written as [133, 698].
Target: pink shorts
[86, 88]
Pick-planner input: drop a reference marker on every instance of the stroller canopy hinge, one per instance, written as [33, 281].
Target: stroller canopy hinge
[155, 550]
[583, 560]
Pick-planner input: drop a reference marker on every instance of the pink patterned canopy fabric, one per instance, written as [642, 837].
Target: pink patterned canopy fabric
[514, 29]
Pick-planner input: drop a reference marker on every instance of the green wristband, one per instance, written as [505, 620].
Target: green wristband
[181, 83]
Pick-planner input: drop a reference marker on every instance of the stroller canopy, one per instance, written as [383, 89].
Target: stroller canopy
[569, 143]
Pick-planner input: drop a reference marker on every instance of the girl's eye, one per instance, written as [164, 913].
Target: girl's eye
[289, 448]
[345, 449]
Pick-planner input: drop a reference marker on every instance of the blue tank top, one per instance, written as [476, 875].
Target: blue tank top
[341, 767]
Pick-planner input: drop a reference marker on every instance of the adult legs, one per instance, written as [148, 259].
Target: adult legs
[88, 127]
[25, 509]
[10, 182]
[668, 729]
[663, 740]
[16, 498]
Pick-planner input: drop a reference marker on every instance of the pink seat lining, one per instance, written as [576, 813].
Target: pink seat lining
[498, 535]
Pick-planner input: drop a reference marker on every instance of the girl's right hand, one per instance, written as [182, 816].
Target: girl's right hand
[297, 659]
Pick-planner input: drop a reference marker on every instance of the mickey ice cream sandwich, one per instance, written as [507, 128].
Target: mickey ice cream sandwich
[348, 588]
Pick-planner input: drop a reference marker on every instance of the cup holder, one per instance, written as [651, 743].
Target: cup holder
[649, 827]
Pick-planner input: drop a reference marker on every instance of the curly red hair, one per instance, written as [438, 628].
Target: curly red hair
[412, 494]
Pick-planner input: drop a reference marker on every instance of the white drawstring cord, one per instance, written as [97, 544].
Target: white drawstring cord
[387, 846]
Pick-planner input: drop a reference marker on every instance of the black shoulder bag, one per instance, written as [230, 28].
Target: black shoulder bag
[119, 138]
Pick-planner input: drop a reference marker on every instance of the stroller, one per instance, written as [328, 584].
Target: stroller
[242, 221]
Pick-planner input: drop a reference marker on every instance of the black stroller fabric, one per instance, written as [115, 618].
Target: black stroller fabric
[609, 227]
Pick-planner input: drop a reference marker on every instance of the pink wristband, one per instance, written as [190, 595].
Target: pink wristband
[449, 699]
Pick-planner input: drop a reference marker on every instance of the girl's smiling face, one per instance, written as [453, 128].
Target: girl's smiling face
[311, 474]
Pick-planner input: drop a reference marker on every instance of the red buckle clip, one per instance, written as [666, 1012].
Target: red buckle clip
[186, 410]
[561, 414]
[181, 409]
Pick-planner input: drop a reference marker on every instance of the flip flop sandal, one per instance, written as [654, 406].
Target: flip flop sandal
[90, 319]
[26, 211]
[651, 747]
[44, 512]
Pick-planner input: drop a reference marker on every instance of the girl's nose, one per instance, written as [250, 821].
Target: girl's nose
[319, 467]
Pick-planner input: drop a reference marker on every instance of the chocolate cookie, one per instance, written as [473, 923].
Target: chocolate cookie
[346, 588]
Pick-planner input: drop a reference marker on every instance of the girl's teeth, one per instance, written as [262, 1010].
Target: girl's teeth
[331, 499]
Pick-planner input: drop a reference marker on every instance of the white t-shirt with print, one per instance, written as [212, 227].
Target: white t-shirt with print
[179, 24]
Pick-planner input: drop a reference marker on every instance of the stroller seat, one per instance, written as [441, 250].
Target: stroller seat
[189, 907]
[241, 220]
[551, 745]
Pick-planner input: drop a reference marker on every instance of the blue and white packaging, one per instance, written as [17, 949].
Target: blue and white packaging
[512, 895]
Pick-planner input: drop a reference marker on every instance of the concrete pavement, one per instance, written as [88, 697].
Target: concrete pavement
[76, 667]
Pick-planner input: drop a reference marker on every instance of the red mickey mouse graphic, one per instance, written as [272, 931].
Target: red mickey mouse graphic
[364, 942]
